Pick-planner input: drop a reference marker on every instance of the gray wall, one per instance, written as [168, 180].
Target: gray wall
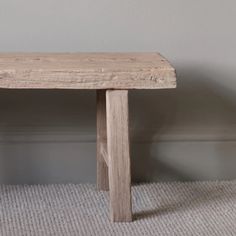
[183, 134]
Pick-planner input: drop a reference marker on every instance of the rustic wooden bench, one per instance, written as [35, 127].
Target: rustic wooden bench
[112, 75]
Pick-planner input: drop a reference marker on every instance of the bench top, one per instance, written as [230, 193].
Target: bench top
[85, 71]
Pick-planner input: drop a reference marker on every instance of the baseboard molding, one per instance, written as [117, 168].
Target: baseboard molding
[70, 134]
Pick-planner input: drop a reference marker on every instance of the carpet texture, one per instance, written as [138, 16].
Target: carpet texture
[199, 208]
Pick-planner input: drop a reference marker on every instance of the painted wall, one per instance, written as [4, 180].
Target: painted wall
[183, 134]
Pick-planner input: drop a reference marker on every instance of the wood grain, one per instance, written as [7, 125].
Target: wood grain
[102, 168]
[104, 152]
[119, 155]
[85, 71]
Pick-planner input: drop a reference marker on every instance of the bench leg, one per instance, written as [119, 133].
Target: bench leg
[118, 155]
[102, 169]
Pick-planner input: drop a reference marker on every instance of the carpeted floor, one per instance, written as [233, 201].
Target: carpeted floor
[200, 208]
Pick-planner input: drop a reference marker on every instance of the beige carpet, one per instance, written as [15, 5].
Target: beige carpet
[200, 208]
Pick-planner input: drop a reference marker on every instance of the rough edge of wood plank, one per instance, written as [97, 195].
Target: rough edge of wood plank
[37, 80]
[60, 76]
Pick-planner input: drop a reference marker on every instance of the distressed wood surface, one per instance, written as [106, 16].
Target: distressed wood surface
[102, 168]
[86, 71]
[119, 155]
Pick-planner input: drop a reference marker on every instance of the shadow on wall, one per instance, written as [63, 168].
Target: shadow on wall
[48, 136]
[184, 134]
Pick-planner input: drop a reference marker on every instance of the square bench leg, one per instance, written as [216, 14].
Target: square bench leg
[102, 168]
[118, 155]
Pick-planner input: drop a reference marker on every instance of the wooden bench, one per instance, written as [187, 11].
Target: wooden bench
[112, 75]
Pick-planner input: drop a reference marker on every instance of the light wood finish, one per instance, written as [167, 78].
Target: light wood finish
[104, 152]
[102, 168]
[86, 71]
[119, 155]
